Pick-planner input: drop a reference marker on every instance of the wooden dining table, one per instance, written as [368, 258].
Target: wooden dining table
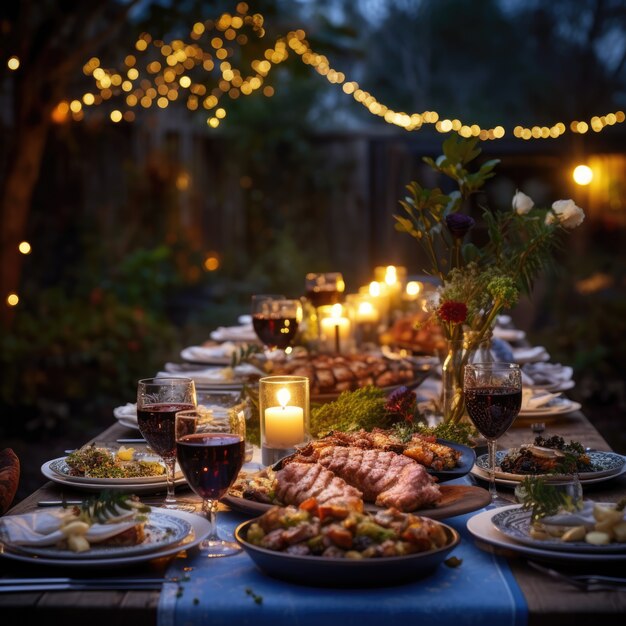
[550, 602]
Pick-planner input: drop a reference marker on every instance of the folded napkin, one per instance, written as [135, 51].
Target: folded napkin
[45, 528]
[547, 373]
[530, 355]
[509, 334]
[223, 350]
[128, 411]
[584, 517]
[532, 401]
[244, 332]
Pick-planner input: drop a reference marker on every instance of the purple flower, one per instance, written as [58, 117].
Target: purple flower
[459, 224]
[402, 402]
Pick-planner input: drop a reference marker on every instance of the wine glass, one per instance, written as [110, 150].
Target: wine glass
[493, 398]
[324, 288]
[158, 401]
[275, 320]
[210, 455]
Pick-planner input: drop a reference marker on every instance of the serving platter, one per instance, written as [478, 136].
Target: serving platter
[483, 529]
[516, 523]
[199, 530]
[325, 571]
[609, 464]
[455, 500]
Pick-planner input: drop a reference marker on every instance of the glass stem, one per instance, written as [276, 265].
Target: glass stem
[491, 448]
[170, 470]
[209, 508]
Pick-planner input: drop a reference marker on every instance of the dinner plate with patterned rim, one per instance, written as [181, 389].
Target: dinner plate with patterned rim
[61, 467]
[161, 530]
[607, 464]
[89, 485]
[341, 572]
[199, 530]
[515, 523]
[482, 528]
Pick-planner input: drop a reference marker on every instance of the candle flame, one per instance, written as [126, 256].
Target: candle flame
[374, 289]
[391, 275]
[336, 311]
[283, 396]
[366, 308]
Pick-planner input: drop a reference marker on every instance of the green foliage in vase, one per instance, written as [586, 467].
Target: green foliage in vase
[542, 498]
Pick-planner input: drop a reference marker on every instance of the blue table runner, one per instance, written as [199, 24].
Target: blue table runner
[222, 591]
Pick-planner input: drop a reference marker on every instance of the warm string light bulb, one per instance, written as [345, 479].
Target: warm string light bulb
[168, 78]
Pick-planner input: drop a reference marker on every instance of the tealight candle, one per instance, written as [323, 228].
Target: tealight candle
[284, 424]
[284, 415]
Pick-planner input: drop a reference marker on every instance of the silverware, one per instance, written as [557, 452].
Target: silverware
[586, 582]
[13, 585]
[44, 503]
[130, 440]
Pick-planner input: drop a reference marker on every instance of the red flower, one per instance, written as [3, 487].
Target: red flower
[454, 312]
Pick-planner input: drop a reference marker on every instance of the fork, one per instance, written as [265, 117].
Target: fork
[585, 582]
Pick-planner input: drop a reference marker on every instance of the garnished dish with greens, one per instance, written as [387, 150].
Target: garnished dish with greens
[92, 461]
[548, 456]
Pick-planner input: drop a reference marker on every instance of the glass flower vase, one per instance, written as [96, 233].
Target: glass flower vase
[479, 348]
[452, 400]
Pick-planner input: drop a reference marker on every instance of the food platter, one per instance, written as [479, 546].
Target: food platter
[483, 529]
[99, 485]
[199, 529]
[455, 500]
[515, 523]
[610, 464]
[335, 572]
[161, 529]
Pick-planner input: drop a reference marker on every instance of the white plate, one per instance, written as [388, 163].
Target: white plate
[481, 527]
[61, 468]
[89, 485]
[200, 529]
[161, 529]
[509, 334]
[564, 385]
[558, 406]
[589, 480]
[515, 523]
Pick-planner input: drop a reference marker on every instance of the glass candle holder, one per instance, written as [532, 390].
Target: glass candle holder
[284, 415]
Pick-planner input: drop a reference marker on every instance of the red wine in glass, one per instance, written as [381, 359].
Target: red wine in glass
[493, 409]
[275, 332]
[210, 462]
[156, 424]
[323, 297]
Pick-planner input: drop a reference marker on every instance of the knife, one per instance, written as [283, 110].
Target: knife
[83, 581]
[80, 587]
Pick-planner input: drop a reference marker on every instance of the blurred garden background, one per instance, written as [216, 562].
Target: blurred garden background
[150, 213]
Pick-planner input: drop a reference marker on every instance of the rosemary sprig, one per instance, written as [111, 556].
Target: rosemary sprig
[542, 498]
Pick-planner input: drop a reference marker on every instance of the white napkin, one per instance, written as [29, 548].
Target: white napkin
[509, 334]
[226, 349]
[126, 412]
[547, 373]
[584, 517]
[43, 528]
[530, 355]
[234, 333]
[532, 401]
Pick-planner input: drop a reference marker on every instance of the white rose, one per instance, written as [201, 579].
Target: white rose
[566, 213]
[522, 203]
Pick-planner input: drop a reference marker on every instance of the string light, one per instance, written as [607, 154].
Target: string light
[169, 75]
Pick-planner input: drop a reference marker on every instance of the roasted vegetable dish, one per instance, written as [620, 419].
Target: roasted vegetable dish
[332, 531]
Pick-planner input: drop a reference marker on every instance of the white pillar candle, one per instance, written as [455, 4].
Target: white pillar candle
[284, 425]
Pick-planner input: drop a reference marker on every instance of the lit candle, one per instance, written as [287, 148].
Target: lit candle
[335, 328]
[366, 312]
[284, 425]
